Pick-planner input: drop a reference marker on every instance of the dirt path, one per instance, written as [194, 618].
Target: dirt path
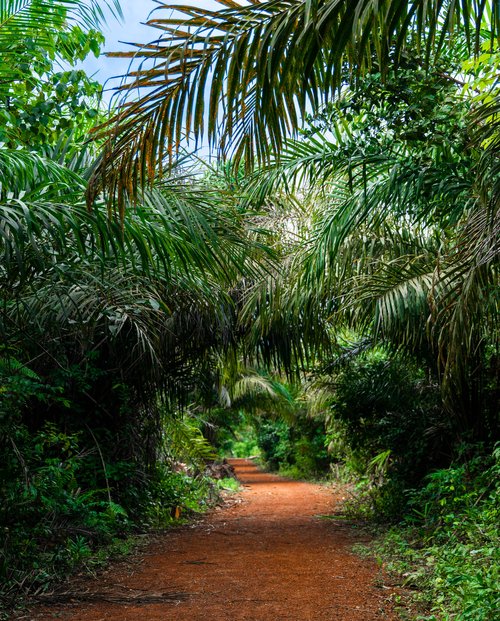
[268, 557]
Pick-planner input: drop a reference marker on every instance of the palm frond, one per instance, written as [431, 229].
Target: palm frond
[40, 19]
[245, 74]
[23, 172]
[467, 312]
[179, 229]
[394, 301]
[184, 441]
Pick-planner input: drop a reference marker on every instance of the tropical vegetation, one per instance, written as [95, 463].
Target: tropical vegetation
[324, 295]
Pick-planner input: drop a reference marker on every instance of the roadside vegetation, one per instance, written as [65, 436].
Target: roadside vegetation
[324, 296]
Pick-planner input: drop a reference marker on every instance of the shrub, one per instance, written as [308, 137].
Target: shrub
[449, 550]
[387, 426]
[49, 520]
[296, 450]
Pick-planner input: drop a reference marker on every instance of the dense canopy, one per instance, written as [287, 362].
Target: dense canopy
[323, 289]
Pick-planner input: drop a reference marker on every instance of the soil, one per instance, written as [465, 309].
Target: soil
[270, 554]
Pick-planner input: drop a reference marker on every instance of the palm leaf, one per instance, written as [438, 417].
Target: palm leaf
[40, 19]
[30, 25]
[246, 74]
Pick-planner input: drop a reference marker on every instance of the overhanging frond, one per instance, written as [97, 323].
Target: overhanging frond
[245, 74]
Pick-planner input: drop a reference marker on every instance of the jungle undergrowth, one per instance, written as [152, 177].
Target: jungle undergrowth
[445, 553]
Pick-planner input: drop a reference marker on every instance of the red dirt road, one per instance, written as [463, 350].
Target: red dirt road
[268, 557]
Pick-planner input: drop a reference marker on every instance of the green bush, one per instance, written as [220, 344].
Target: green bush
[49, 521]
[387, 427]
[171, 494]
[237, 437]
[73, 479]
[274, 439]
[450, 550]
[297, 450]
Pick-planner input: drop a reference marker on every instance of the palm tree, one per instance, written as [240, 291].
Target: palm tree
[246, 74]
[404, 240]
[126, 318]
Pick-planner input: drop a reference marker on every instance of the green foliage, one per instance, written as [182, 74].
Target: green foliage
[295, 449]
[172, 494]
[449, 552]
[41, 100]
[229, 485]
[245, 395]
[185, 441]
[385, 403]
[18, 384]
[61, 502]
[384, 427]
[237, 437]
[274, 442]
[37, 114]
[402, 237]
[50, 520]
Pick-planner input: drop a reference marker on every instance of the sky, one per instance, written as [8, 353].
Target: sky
[130, 30]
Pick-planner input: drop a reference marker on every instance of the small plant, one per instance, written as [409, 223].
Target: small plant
[449, 551]
[228, 484]
[175, 494]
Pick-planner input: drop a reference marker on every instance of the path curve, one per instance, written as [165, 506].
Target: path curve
[266, 557]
